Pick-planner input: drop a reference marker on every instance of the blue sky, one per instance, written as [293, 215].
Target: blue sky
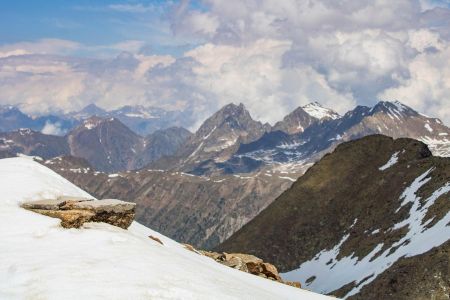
[93, 23]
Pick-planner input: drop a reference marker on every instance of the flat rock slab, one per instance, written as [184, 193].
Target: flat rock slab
[53, 204]
[75, 211]
[107, 205]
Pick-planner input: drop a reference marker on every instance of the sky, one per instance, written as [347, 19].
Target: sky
[271, 55]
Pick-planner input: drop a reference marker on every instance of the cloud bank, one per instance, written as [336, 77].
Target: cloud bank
[272, 56]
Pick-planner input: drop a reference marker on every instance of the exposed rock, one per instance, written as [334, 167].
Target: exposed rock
[189, 209]
[75, 211]
[155, 239]
[246, 263]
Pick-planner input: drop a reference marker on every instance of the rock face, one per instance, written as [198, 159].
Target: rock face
[218, 138]
[362, 223]
[107, 143]
[295, 122]
[245, 263]
[33, 143]
[202, 211]
[74, 211]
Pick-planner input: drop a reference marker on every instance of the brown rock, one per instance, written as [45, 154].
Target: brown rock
[293, 283]
[155, 239]
[270, 271]
[245, 263]
[74, 212]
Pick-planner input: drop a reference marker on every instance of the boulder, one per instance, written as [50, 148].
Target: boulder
[75, 211]
[246, 263]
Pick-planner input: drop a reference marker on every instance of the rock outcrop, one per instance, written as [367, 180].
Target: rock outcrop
[75, 211]
[245, 263]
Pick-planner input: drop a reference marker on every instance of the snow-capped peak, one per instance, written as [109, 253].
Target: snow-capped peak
[93, 122]
[316, 110]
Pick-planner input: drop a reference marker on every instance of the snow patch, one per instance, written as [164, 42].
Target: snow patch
[392, 161]
[428, 127]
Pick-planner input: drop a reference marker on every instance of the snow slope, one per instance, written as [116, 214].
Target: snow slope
[41, 260]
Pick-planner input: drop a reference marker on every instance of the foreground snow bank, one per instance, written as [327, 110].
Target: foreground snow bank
[41, 260]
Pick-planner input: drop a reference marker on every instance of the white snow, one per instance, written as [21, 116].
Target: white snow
[428, 127]
[438, 146]
[90, 125]
[209, 134]
[392, 161]
[348, 269]
[288, 178]
[41, 260]
[317, 111]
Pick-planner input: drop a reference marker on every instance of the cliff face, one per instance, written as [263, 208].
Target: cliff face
[198, 210]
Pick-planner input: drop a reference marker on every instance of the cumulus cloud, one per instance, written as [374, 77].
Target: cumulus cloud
[270, 55]
[52, 128]
[428, 86]
[360, 51]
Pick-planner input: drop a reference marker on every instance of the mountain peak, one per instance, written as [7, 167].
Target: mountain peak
[393, 107]
[296, 121]
[232, 114]
[316, 110]
[93, 109]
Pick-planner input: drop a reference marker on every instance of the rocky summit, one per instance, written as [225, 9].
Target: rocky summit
[75, 211]
[366, 221]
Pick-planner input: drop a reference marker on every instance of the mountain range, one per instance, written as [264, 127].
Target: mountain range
[105, 142]
[142, 120]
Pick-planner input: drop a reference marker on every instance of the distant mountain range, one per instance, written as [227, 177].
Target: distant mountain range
[105, 142]
[229, 142]
[142, 120]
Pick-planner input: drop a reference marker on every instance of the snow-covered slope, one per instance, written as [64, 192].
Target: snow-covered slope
[41, 260]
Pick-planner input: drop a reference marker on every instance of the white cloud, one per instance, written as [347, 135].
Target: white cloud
[428, 87]
[132, 8]
[52, 128]
[271, 55]
[43, 46]
[255, 76]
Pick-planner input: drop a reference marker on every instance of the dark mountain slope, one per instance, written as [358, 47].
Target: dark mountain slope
[202, 211]
[29, 142]
[352, 216]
